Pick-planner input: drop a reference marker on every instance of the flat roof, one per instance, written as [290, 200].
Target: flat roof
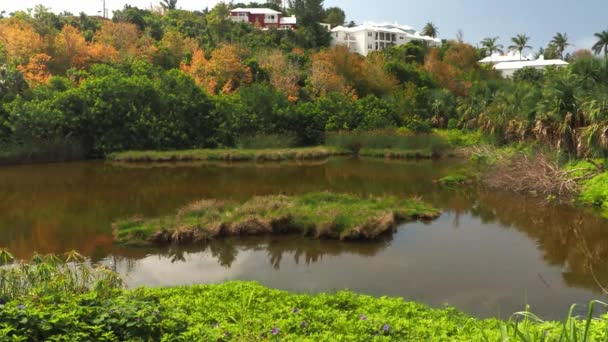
[255, 10]
[541, 62]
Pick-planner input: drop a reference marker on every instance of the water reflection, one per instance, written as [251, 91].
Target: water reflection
[489, 253]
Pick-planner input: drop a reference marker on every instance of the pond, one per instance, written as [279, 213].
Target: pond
[489, 253]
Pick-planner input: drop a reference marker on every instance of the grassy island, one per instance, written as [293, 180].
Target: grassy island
[321, 215]
[229, 155]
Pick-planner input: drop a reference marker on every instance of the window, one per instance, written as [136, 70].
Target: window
[337, 34]
[376, 45]
[369, 46]
[369, 34]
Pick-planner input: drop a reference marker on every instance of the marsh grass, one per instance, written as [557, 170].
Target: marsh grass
[267, 141]
[51, 275]
[389, 143]
[321, 215]
[228, 155]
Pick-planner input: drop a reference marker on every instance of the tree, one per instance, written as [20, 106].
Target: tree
[121, 36]
[560, 41]
[36, 71]
[601, 44]
[335, 16]
[430, 30]
[490, 46]
[169, 5]
[308, 12]
[520, 43]
[283, 73]
[20, 40]
[71, 48]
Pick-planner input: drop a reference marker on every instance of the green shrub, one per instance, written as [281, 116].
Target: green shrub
[595, 191]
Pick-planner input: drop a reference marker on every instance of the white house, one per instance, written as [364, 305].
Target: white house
[369, 37]
[507, 69]
[511, 56]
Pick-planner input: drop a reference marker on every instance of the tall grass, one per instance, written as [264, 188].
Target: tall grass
[266, 141]
[53, 276]
[399, 140]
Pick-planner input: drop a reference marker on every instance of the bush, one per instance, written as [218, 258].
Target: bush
[595, 191]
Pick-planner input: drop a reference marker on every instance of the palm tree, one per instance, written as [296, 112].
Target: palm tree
[560, 41]
[602, 44]
[169, 4]
[520, 43]
[430, 30]
[489, 45]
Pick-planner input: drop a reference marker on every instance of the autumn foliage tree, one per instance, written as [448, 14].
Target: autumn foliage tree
[333, 71]
[71, 48]
[123, 37]
[20, 40]
[224, 72]
[36, 71]
[283, 74]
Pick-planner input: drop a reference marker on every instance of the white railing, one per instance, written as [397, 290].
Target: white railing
[239, 19]
[271, 21]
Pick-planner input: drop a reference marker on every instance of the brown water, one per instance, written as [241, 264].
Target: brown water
[488, 254]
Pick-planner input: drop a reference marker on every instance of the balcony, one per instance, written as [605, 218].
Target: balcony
[240, 18]
[271, 21]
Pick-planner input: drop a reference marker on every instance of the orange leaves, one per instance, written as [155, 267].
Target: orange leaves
[332, 70]
[121, 36]
[36, 72]
[20, 40]
[283, 74]
[197, 67]
[339, 70]
[71, 47]
[224, 72]
[100, 53]
[444, 73]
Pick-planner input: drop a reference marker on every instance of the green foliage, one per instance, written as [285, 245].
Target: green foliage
[243, 311]
[400, 140]
[595, 191]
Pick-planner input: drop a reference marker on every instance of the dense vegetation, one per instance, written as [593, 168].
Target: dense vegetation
[80, 86]
[321, 215]
[97, 308]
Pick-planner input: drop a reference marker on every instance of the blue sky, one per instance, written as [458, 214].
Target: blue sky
[539, 19]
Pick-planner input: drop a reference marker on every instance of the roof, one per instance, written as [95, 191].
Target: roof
[511, 56]
[541, 62]
[408, 31]
[289, 20]
[255, 10]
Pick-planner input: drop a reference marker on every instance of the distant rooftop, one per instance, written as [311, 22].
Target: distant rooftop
[540, 62]
[255, 10]
[510, 56]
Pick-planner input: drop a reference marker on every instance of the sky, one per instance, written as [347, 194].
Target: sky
[539, 19]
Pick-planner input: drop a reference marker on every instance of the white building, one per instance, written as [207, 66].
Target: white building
[507, 69]
[511, 56]
[369, 37]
